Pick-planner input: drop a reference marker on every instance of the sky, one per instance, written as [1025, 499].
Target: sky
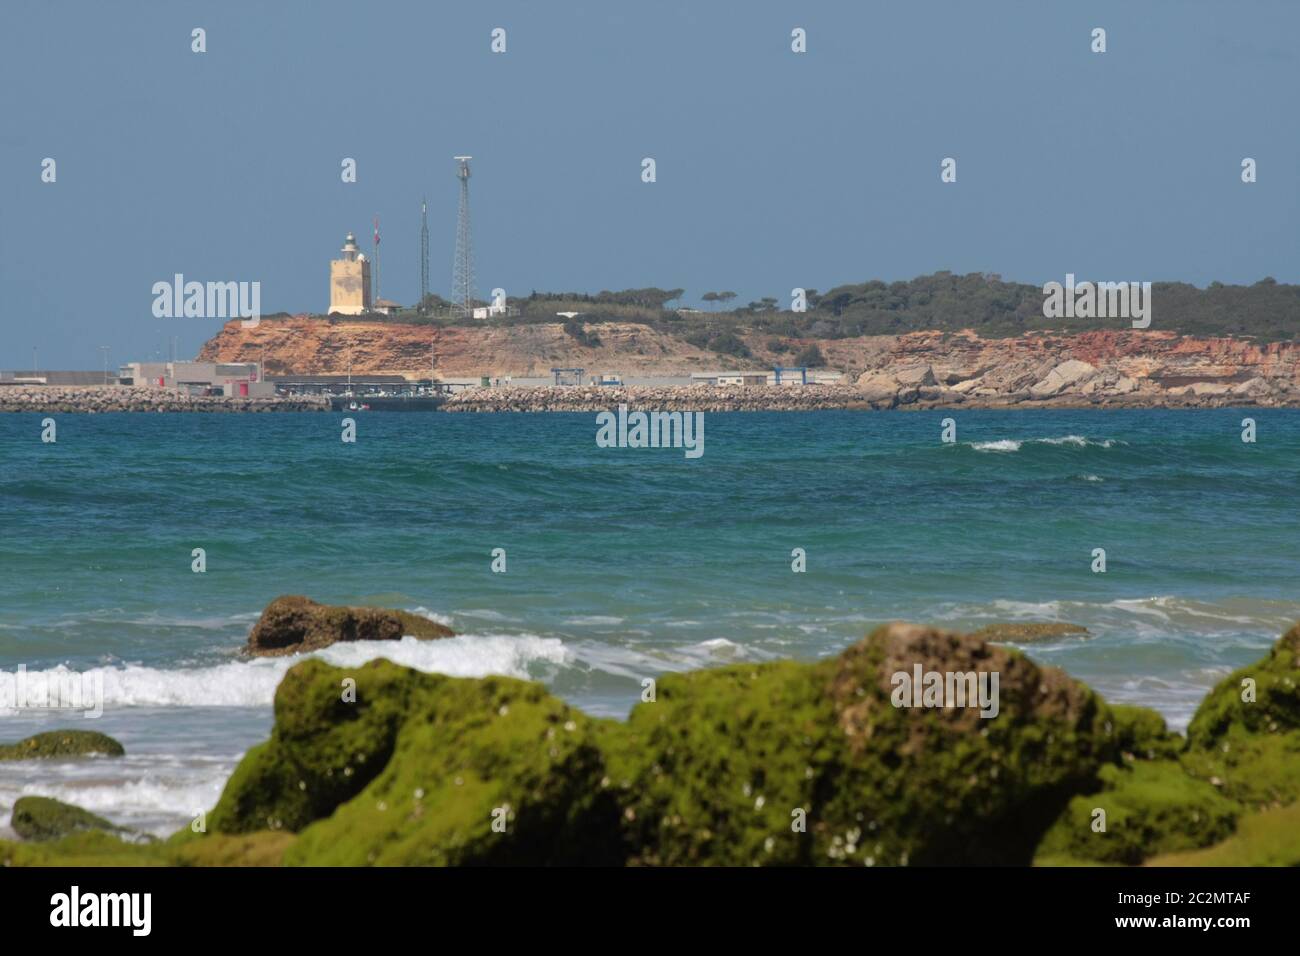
[774, 169]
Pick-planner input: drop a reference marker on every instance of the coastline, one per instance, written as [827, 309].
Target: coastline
[807, 398]
[670, 398]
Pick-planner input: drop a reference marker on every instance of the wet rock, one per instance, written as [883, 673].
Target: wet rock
[293, 624]
[62, 743]
[42, 818]
[1023, 633]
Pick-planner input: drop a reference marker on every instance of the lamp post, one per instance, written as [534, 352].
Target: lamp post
[105, 350]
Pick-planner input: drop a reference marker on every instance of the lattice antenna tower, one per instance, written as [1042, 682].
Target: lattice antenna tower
[462, 272]
[424, 254]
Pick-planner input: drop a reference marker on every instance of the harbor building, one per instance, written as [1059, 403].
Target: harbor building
[350, 280]
[231, 379]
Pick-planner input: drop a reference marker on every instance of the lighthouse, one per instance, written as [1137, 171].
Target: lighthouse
[350, 280]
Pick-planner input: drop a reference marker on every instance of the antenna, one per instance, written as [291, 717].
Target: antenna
[424, 254]
[462, 272]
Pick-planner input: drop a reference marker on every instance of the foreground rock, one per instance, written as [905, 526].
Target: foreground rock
[62, 743]
[293, 624]
[779, 763]
[715, 770]
[1236, 778]
[41, 818]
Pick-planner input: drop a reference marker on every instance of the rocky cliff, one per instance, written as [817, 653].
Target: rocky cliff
[1118, 367]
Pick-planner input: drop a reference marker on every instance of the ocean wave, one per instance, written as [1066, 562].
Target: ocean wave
[252, 683]
[1012, 445]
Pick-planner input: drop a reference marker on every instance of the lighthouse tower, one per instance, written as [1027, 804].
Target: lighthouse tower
[350, 280]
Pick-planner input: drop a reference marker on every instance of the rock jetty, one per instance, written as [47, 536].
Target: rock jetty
[131, 398]
[1071, 384]
[665, 398]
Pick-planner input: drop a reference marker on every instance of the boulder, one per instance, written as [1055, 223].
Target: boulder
[42, 818]
[714, 770]
[915, 376]
[1233, 782]
[877, 388]
[1067, 375]
[62, 743]
[293, 624]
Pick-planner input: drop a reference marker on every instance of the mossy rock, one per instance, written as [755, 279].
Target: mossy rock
[1263, 838]
[334, 731]
[1259, 770]
[1275, 709]
[1252, 747]
[419, 770]
[1150, 807]
[43, 818]
[719, 766]
[88, 848]
[293, 624]
[1028, 632]
[98, 848]
[62, 743]
[1141, 734]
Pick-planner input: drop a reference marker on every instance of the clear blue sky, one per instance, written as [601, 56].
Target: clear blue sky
[775, 170]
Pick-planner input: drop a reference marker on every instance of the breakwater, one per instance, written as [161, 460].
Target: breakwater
[867, 394]
[126, 398]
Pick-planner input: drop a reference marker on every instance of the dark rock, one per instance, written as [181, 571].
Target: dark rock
[293, 624]
[42, 818]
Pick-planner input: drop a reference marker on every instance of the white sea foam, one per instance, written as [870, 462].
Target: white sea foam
[252, 683]
[1012, 445]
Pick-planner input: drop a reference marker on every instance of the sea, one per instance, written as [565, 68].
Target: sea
[590, 569]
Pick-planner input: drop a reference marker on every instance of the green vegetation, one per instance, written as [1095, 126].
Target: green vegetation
[1266, 311]
[41, 818]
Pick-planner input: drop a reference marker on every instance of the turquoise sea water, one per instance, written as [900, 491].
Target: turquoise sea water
[621, 563]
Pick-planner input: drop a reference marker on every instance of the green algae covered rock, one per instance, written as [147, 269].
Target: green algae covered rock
[62, 743]
[1245, 736]
[1176, 800]
[1025, 632]
[1149, 807]
[775, 763]
[1270, 706]
[1263, 838]
[293, 624]
[43, 818]
[334, 731]
[101, 848]
[424, 769]
[727, 765]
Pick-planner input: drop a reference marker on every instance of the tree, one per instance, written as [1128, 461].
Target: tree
[811, 356]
